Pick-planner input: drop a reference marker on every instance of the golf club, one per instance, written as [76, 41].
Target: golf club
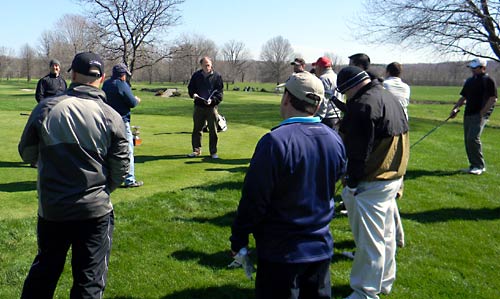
[434, 129]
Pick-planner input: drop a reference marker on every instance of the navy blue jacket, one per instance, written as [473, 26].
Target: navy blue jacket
[119, 96]
[287, 197]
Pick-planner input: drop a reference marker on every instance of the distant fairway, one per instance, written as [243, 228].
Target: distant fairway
[171, 236]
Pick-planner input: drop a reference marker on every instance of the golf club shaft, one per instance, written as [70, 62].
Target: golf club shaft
[430, 132]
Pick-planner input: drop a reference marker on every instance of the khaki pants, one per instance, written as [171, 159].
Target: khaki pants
[371, 211]
[200, 116]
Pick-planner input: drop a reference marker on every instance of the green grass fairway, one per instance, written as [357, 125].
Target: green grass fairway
[171, 235]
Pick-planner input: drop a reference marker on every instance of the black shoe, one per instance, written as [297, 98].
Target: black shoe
[134, 184]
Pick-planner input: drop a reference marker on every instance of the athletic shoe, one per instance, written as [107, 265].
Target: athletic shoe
[349, 254]
[477, 171]
[194, 154]
[214, 156]
[342, 209]
[134, 184]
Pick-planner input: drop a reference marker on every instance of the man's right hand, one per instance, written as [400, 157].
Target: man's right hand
[454, 112]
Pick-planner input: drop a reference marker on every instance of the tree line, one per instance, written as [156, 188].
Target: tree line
[134, 32]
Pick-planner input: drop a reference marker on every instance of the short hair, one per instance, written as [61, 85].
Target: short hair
[360, 60]
[84, 79]
[303, 105]
[205, 58]
[394, 69]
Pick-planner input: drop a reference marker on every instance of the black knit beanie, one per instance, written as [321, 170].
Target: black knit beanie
[349, 77]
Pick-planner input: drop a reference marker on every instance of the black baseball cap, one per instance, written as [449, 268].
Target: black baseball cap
[83, 63]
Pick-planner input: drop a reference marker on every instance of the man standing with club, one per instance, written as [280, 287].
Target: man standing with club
[375, 133]
[287, 198]
[52, 84]
[479, 94]
[82, 152]
[206, 88]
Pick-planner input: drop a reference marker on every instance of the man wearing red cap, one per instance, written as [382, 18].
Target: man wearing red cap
[328, 112]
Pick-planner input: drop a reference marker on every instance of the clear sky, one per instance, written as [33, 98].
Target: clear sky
[313, 27]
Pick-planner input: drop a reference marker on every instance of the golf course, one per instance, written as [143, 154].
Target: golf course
[171, 235]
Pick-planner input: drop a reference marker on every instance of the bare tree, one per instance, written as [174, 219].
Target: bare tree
[187, 54]
[336, 60]
[132, 28]
[76, 32]
[236, 56]
[6, 62]
[28, 56]
[469, 27]
[277, 53]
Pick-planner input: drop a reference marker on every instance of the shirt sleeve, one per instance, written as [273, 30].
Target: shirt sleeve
[127, 94]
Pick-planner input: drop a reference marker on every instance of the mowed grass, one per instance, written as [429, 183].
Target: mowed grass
[171, 236]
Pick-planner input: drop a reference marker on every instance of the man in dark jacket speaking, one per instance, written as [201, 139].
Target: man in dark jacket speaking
[287, 197]
[375, 133]
[206, 89]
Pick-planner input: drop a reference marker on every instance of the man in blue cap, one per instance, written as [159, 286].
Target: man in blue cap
[119, 96]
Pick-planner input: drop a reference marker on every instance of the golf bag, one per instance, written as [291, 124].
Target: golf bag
[221, 123]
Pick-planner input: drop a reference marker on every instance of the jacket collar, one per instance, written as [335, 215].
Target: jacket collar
[86, 91]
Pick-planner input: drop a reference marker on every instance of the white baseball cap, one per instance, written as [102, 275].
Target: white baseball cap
[477, 62]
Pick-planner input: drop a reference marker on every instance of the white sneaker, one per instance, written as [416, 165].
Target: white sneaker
[214, 156]
[194, 154]
[477, 171]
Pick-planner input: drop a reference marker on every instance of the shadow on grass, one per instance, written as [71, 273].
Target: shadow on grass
[413, 174]
[218, 260]
[447, 214]
[4, 164]
[344, 290]
[221, 292]
[206, 159]
[172, 133]
[230, 185]
[143, 159]
[222, 221]
[345, 245]
[18, 186]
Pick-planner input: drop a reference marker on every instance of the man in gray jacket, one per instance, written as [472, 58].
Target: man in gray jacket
[80, 145]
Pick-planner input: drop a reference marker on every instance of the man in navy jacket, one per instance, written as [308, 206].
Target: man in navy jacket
[119, 96]
[287, 197]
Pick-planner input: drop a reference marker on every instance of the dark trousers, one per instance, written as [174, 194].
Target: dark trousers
[90, 241]
[473, 128]
[293, 281]
[202, 115]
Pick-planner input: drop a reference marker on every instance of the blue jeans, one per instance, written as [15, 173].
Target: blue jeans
[130, 177]
[473, 128]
